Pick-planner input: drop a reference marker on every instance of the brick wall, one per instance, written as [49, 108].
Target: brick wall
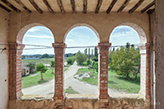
[15, 70]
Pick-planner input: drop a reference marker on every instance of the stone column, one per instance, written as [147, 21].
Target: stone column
[59, 49]
[15, 70]
[103, 75]
[145, 85]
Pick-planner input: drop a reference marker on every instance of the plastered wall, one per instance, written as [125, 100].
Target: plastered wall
[3, 59]
[60, 24]
[159, 54]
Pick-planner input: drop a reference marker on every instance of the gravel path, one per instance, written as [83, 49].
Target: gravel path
[81, 87]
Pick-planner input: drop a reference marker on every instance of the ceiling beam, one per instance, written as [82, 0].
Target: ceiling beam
[3, 7]
[20, 3]
[111, 6]
[147, 7]
[123, 6]
[48, 6]
[11, 6]
[36, 6]
[61, 6]
[136, 6]
[98, 6]
[73, 6]
[84, 6]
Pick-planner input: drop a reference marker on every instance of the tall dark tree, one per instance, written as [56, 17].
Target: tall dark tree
[88, 53]
[92, 54]
[85, 51]
[96, 53]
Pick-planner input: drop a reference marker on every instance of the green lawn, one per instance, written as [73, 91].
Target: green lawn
[42, 60]
[69, 90]
[121, 83]
[28, 80]
[114, 81]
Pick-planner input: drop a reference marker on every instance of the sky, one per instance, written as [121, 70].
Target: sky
[78, 36]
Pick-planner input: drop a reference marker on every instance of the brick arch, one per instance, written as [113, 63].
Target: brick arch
[137, 28]
[82, 24]
[145, 61]
[24, 29]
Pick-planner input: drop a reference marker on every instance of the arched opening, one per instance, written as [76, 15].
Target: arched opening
[127, 60]
[35, 41]
[82, 74]
[38, 58]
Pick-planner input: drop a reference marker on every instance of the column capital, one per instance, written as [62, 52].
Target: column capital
[144, 46]
[59, 45]
[16, 46]
[104, 44]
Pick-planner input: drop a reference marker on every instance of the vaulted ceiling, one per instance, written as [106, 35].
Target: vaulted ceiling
[76, 6]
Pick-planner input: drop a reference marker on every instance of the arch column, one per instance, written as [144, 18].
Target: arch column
[145, 86]
[15, 70]
[103, 75]
[59, 50]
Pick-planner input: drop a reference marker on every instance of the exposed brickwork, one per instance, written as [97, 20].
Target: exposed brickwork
[59, 49]
[145, 86]
[103, 75]
[15, 70]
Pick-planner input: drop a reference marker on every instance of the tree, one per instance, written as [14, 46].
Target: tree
[88, 62]
[70, 61]
[96, 66]
[88, 53]
[85, 51]
[96, 54]
[92, 54]
[80, 58]
[52, 65]
[41, 68]
[125, 61]
[45, 55]
[31, 65]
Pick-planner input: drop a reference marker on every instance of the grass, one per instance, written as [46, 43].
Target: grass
[121, 83]
[69, 90]
[115, 81]
[42, 60]
[28, 81]
[90, 80]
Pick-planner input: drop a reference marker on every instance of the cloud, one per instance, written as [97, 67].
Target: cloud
[40, 36]
[34, 29]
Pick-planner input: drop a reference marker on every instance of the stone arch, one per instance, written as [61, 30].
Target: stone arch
[137, 28]
[24, 29]
[82, 24]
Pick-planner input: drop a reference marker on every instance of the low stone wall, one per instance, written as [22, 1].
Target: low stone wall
[77, 103]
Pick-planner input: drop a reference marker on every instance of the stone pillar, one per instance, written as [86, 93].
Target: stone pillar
[15, 70]
[59, 49]
[145, 86]
[103, 75]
